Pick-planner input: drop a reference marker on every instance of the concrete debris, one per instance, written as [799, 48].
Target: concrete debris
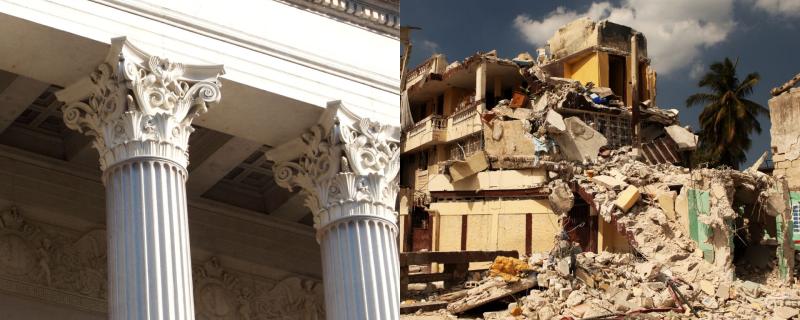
[685, 139]
[627, 198]
[609, 182]
[472, 165]
[783, 312]
[580, 142]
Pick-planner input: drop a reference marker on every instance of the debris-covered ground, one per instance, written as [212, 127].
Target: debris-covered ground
[665, 276]
[741, 267]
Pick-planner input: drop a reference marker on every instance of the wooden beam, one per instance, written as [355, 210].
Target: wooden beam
[219, 163]
[20, 94]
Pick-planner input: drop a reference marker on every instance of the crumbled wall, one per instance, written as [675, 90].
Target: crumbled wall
[585, 33]
[784, 112]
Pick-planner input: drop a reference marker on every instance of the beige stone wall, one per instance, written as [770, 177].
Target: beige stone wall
[495, 224]
[784, 111]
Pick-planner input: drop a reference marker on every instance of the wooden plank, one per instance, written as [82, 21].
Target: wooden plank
[422, 306]
[508, 289]
[444, 257]
[528, 234]
[464, 232]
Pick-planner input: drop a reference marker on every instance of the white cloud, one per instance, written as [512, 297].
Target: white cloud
[430, 46]
[676, 31]
[697, 70]
[787, 8]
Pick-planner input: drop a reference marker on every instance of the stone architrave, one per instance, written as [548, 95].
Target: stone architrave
[348, 170]
[139, 109]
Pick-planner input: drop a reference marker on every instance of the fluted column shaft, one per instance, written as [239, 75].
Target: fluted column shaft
[148, 239]
[361, 269]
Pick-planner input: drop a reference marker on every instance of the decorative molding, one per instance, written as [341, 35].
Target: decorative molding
[223, 33]
[349, 167]
[138, 105]
[223, 295]
[75, 265]
[52, 266]
[378, 15]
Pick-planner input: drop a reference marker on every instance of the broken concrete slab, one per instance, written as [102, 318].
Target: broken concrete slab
[685, 139]
[470, 166]
[555, 122]
[580, 142]
[608, 182]
[627, 198]
[784, 312]
[490, 291]
[666, 201]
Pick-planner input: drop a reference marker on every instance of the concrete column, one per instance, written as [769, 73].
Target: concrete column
[348, 169]
[480, 86]
[139, 109]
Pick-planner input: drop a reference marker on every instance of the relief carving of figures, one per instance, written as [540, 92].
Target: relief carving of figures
[52, 259]
[221, 295]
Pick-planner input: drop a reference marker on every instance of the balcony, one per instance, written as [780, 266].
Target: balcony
[428, 131]
[434, 65]
[464, 122]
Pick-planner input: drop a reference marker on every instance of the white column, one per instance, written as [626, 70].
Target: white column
[348, 171]
[139, 109]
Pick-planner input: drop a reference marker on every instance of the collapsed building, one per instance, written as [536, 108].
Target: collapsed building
[525, 153]
[784, 112]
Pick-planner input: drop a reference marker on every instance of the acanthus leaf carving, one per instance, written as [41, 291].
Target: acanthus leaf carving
[139, 105]
[349, 166]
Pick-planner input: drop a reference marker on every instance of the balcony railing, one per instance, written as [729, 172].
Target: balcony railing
[432, 122]
[465, 113]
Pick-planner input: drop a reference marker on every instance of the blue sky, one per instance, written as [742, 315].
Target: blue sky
[684, 37]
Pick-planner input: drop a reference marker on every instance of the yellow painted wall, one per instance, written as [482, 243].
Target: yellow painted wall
[609, 239]
[586, 69]
[449, 235]
[479, 231]
[545, 227]
[496, 224]
[511, 232]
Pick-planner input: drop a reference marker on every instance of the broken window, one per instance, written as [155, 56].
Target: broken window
[796, 218]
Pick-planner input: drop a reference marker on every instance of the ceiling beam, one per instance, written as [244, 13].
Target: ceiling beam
[207, 173]
[294, 209]
[20, 94]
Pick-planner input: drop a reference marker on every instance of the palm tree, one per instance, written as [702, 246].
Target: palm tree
[727, 118]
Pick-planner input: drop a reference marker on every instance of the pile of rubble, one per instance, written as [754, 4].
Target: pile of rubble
[666, 275]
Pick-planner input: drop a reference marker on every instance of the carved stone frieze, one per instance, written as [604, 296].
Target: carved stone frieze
[62, 266]
[349, 167]
[55, 260]
[137, 105]
[223, 295]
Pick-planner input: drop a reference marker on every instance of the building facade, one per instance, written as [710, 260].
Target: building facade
[471, 162]
[208, 160]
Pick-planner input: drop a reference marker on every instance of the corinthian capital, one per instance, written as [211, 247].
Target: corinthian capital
[347, 167]
[138, 105]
